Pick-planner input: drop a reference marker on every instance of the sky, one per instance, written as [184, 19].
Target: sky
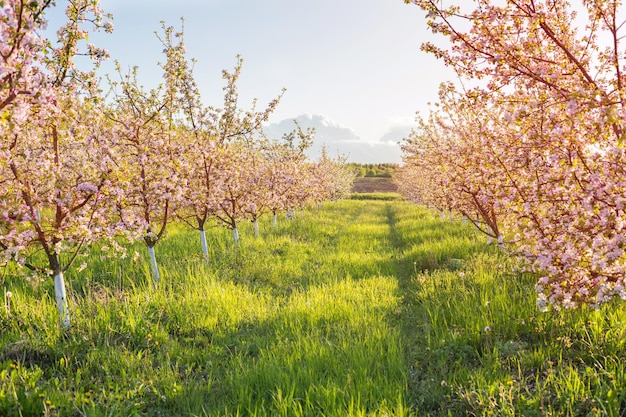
[351, 68]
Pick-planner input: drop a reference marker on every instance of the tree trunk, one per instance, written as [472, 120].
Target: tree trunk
[205, 249]
[61, 298]
[60, 295]
[236, 234]
[153, 264]
[256, 227]
[275, 220]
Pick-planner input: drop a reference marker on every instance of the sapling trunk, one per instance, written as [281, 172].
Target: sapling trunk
[60, 294]
[153, 264]
[205, 249]
[61, 298]
[256, 227]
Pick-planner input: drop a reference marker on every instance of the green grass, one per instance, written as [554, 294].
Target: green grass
[376, 196]
[363, 308]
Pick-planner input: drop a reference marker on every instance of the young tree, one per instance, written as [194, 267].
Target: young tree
[54, 159]
[452, 159]
[150, 164]
[197, 123]
[287, 171]
[237, 180]
[239, 167]
[331, 179]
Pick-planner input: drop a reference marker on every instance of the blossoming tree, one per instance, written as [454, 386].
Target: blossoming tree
[149, 169]
[451, 160]
[555, 69]
[54, 159]
[287, 170]
[239, 167]
[331, 179]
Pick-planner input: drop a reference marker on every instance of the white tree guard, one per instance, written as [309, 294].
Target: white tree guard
[256, 227]
[236, 235]
[205, 248]
[275, 220]
[153, 264]
[61, 298]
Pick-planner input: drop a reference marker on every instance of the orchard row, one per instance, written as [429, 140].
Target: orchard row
[531, 149]
[80, 165]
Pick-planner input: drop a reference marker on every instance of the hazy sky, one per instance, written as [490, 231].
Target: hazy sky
[356, 62]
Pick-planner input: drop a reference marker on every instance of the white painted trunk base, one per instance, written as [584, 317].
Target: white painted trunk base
[275, 220]
[205, 248]
[153, 264]
[61, 298]
[256, 227]
[236, 235]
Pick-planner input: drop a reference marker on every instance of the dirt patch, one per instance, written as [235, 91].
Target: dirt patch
[374, 185]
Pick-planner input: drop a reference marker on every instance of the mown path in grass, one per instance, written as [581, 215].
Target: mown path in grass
[365, 308]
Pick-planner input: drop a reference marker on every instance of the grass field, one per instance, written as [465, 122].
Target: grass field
[363, 308]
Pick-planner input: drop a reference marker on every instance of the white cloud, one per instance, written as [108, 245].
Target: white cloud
[338, 140]
[396, 134]
[326, 130]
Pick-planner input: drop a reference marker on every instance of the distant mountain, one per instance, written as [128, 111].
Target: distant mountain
[339, 140]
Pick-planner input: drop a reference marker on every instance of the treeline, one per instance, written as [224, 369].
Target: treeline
[386, 170]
